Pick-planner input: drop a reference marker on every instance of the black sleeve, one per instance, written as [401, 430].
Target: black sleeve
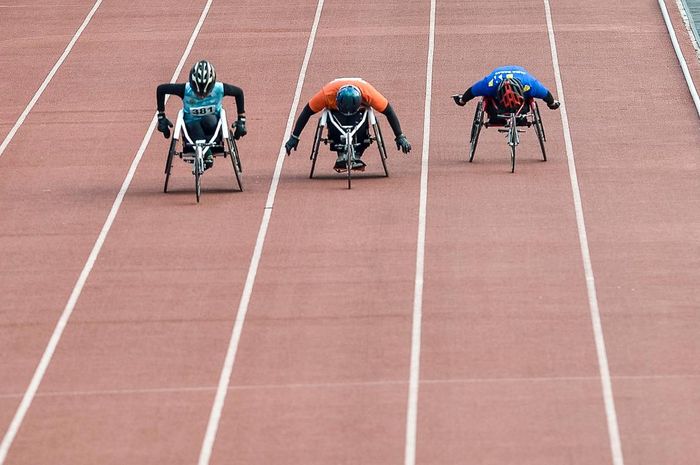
[164, 89]
[467, 95]
[549, 98]
[302, 120]
[237, 92]
[393, 120]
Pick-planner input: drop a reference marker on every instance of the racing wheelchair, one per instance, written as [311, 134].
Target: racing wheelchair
[221, 143]
[348, 143]
[509, 123]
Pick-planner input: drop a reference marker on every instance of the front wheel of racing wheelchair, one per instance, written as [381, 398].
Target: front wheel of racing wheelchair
[509, 123]
[221, 143]
[348, 134]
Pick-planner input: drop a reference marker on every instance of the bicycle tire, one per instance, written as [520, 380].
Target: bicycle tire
[169, 164]
[476, 130]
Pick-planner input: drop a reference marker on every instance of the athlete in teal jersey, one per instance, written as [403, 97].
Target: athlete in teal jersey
[202, 98]
[195, 107]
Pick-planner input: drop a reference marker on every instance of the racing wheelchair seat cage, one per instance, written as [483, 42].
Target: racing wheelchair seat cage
[215, 142]
[348, 132]
[510, 123]
[221, 143]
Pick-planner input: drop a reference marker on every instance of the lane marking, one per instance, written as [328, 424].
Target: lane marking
[225, 378]
[681, 59]
[610, 413]
[73, 299]
[414, 375]
[348, 384]
[46, 82]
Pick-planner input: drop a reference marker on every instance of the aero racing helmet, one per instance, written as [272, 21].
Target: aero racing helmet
[202, 78]
[348, 99]
[510, 93]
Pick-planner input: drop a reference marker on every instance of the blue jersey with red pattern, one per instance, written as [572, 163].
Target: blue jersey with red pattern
[488, 86]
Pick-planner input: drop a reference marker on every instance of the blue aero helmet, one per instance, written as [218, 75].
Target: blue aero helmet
[348, 99]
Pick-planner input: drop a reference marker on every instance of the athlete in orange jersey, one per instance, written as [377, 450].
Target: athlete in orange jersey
[345, 97]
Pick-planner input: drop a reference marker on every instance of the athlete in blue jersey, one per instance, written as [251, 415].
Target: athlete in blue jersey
[201, 105]
[509, 88]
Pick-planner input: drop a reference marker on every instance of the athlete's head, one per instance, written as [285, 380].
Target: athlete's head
[510, 93]
[348, 99]
[202, 78]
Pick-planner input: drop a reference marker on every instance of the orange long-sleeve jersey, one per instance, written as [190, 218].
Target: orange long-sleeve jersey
[325, 98]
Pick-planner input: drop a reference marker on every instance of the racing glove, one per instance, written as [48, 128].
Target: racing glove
[239, 129]
[402, 143]
[458, 100]
[291, 144]
[164, 125]
[554, 105]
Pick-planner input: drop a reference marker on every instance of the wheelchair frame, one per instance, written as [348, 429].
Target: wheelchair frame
[221, 144]
[349, 134]
[510, 128]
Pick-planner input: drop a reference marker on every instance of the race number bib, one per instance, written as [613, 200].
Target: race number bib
[201, 111]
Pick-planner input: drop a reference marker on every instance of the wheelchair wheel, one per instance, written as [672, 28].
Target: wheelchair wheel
[382, 148]
[476, 129]
[198, 184]
[348, 165]
[513, 140]
[539, 130]
[198, 170]
[314, 149]
[538, 120]
[235, 161]
[169, 164]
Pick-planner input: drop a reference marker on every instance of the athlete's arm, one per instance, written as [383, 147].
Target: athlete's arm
[165, 89]
[393, 120]
[537, 90]
[293, 140]
[237, 93]
[306, 113]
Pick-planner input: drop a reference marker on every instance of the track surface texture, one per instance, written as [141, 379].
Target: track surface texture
[510, 362]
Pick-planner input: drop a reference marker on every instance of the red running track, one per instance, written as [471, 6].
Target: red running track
[509, 372]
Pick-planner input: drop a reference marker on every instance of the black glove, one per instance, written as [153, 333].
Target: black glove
[458, 100]
[239, 129]
[554, 105]
[402, 143]
[164, 125]
[291, 144]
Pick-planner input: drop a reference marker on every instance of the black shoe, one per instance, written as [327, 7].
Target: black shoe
[208, 161]
[340, 164]
[358, 165]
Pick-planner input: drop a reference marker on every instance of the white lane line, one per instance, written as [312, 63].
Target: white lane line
[68, 310]
[50, 76]
[350, 384]
[681, 58]
[610, 413]
[414, 375]
[225, 378]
